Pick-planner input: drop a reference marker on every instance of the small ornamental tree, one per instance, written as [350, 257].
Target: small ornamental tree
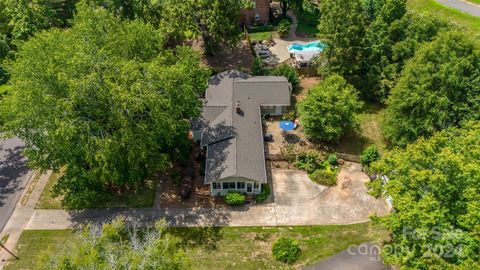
[286, 250]
[329, 109]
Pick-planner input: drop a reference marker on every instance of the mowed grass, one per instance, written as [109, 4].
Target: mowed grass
[142, 198]
[435, 8]
[33, 242]
[227, 247]
[261, 35]
[369, 132]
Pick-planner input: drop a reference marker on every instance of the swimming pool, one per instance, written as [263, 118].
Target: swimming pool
[312, 46]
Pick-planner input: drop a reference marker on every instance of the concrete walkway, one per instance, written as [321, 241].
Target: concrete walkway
[21, 217]
[463, 6]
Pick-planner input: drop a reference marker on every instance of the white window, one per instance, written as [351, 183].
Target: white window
[240, 185]
[256, 185]
[257, 17]
[225, 185]
[216, 185]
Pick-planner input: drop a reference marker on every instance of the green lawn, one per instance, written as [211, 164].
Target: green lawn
[261, 35]
[439, 10]
[368, 133]
[142, 198]
[33, 242]
[228, 247]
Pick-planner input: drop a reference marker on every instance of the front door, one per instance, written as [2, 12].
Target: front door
[249, 187]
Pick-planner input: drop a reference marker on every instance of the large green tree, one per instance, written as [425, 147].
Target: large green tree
[26, 17]
[216, 21]
[118, 246]
[103, 101]
[434, 185]
[329, 109]
[379, 40]
[439, 88]
[4, 52]
[342, 28]
[392, 38]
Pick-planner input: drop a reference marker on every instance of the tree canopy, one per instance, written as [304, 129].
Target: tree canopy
[438, 88]
[329, 109]
[216, 21]
[118, 246]
[435, 189]
[342, 29]
[103, 101]
[391, 39]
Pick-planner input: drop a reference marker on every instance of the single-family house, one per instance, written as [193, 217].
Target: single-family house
[231, 131]
[258, 13]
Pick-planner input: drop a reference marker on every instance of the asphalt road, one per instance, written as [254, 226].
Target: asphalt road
[14, 176]
[462, 6]
[361, 257]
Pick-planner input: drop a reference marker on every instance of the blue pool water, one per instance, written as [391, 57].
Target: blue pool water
[312, 46]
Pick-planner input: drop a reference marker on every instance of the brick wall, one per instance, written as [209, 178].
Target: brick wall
[262, 9]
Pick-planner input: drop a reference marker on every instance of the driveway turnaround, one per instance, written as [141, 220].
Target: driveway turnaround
[298, 201]
[14, 176]
[462, 5]
[361, 257]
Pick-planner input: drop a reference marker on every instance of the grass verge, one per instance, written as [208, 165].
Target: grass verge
[228, 247]
[140, 199]
[435, 8]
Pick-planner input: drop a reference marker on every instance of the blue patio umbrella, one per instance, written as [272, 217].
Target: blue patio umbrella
[286, 125]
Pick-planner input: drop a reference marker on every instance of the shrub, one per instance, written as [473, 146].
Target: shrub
[375, 188]
[258, 67]
[333, 160]
[234, 198]
[290, 115]
[284, 28]
[264, 194]
[309, 160]
[286, 250]
[326, 177]
[289, 72]
[369, 155]
[289, 153]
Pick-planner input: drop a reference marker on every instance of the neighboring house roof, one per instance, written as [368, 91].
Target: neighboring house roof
[235, 140]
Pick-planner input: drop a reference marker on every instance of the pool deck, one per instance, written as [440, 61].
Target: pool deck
[280, 50]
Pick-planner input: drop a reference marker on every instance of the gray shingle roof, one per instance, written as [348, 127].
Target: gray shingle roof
[235, 140]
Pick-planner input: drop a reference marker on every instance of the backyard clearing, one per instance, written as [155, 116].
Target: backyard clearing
[227, 247]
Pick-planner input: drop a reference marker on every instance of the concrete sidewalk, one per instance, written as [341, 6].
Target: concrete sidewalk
[21, 217]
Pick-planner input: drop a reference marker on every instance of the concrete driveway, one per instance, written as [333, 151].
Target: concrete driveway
[298, 198]
[14, 176]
